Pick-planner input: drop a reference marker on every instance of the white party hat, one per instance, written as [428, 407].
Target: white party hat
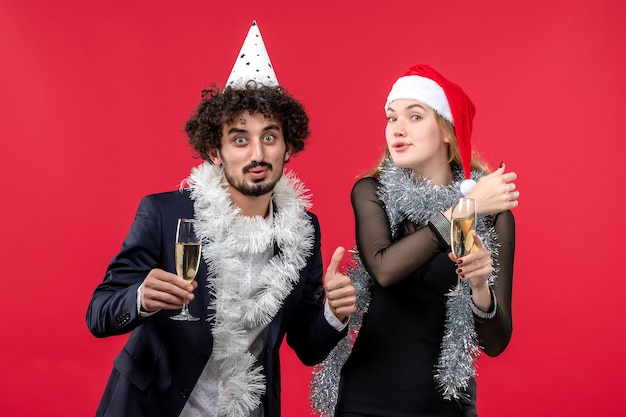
[252, 63]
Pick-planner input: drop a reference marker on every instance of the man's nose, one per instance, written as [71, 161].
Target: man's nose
[258, 153]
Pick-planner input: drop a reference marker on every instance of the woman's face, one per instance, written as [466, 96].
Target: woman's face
[415, 139]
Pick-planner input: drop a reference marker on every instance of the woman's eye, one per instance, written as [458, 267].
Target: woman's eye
[391, 118]
[416, 117]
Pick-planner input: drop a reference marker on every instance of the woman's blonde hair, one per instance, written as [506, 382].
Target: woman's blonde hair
[454, 154]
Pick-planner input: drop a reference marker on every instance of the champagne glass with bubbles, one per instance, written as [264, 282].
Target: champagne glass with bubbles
[188, 250]
[462, 232]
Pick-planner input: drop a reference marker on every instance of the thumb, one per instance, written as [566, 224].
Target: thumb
[335, 260]
[498, 171]
[478, 242]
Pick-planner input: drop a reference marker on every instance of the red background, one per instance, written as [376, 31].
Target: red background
[94, 95]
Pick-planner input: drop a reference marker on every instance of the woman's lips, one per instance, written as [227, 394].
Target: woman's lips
[400, 146]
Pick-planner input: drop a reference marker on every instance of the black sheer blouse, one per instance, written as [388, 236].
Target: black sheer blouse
[390, 370]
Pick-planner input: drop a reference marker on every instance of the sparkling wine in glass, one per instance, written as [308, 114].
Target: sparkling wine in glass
[462, 231]
[188, 254]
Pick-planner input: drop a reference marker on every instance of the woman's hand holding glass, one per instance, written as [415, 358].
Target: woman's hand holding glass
[476, 268]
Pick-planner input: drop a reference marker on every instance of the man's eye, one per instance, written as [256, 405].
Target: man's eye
[240, 141]
[269, 138]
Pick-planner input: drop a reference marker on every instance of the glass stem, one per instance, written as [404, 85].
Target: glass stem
[185, 310]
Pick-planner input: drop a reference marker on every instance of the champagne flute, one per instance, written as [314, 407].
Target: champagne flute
[188, 250]
[462, 231]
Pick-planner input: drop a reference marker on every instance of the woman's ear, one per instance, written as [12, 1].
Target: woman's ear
[446, 136]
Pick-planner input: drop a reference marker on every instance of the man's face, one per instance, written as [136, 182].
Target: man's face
[253, 154]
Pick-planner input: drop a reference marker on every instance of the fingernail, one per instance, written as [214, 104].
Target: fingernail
[462, 276]
[459, 261]
[458, 271]
[501, 164]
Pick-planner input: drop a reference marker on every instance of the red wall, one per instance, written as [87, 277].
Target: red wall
[94, 95]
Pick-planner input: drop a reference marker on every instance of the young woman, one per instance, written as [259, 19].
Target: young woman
[416, 344]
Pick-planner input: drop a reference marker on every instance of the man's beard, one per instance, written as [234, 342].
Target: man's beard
[251, 190]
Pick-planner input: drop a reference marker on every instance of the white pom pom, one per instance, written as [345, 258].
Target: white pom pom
[466, 186]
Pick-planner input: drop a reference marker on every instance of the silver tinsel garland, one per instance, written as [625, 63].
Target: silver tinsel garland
[417, 200]
[459, 349]
[324, 386]
[225, 234]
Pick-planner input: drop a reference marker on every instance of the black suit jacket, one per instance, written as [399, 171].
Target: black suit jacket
[158, 367]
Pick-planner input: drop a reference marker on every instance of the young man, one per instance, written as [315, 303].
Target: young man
[260, 277]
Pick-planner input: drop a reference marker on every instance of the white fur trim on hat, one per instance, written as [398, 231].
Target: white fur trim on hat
[424, 90]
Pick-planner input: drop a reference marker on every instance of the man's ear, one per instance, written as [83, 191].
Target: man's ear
[215, 156]
[287, 155]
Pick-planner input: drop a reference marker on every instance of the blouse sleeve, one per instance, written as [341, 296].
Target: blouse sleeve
[388, 262]
[494, 334]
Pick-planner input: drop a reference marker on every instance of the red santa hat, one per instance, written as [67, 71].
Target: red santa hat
[424, 84]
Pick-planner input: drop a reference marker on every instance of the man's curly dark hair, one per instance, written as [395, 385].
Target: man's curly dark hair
[219, 107]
